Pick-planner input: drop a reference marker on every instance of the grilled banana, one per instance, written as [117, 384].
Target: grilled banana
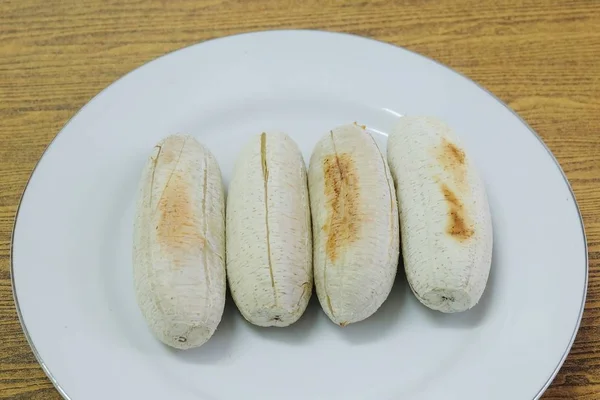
[269, 249]
[179, 243]
[355, 224]
[445, 221]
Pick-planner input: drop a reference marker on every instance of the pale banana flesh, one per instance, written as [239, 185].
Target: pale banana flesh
[269, 248]
[179, 243]
[445, 221]
[355, 224]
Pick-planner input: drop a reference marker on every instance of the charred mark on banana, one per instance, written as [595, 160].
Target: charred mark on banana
[453, 160]
[458, 227]
[453, 151]
[177, 227]
[342, 194]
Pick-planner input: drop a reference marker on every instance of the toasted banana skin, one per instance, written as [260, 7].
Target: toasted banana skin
[445, 220]
[269, 248]
[355, 224]
[179, 243]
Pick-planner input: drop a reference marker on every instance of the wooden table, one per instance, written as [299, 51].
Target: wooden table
[540, 57]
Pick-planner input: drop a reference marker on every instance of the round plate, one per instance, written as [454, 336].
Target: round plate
[73, 236]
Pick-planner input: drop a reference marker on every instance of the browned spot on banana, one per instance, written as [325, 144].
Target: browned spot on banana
[453, 160]
[176, 228]
[343, 197]
[458, 227]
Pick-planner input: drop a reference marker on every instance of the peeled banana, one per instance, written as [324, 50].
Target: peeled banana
[179, 243]
[355, 224]
[269, 248]
[445, 221]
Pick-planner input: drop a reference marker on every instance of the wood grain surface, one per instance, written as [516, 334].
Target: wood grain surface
[540, 57]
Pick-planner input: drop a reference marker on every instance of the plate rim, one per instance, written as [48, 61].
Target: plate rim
[34, 350]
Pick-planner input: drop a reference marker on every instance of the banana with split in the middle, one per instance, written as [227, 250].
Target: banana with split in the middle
[355, 224]
[269, 248]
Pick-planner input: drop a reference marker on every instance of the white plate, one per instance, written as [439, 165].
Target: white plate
[73, 236]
